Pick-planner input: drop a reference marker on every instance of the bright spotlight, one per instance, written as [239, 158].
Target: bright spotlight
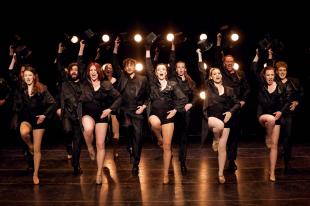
[234, 37]
[236, 66]
[202, 95]
[265, 65]
[74, 39]
[170, 37]
[138, 38]
[203, 37]
[139, 67]
[105, 38]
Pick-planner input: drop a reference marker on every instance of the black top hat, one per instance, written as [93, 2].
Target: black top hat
[123, 36]
[204, 45]
[150, 38]
[179, 38]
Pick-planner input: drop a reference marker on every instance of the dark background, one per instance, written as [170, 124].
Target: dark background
[42, 25]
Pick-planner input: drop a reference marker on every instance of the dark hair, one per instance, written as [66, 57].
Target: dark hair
[129, 61]
[72, 65]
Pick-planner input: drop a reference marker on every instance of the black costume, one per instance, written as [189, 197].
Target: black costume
[237, 81]
[134, 92]
[188, 87]
[162, 101]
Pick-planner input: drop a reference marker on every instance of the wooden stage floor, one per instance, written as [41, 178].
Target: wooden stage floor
[248, 186]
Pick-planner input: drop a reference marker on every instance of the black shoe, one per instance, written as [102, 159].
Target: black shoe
[183, 169]
[129, 149]
[135, 170]
[232, 166]
[77, 171]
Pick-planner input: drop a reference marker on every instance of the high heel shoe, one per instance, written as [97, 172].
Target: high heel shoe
[36, 180]
[115, 148]
[99, 179]
[222, 179]
[31, 150]
[92, 154]
[160, 143]
[166, 180]
[272, 178]
[215, 144]
[115, 155]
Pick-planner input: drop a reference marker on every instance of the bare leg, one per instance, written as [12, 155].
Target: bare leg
[267, 121]
[37, 139]
[25, 129]
[156, 128]
[89, 125]
[274, 151]
[222, 151]
[167, 130]
[101, 131]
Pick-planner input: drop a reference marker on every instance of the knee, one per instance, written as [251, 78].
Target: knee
[88, 130]
[167, 147]
[100, 146]
[270, 121]
[221, 148]
[219, 129]
[274, 145]
[24, 132]
[37, 150]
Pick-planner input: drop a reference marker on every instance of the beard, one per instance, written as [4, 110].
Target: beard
[73, 78]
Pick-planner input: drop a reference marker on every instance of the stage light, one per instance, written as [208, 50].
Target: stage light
[236, 66]
[139, 67]
[234, 37]
[203, 36]
[74, 39]
[170, 37]
[202, 95]
[265, 65]
[138, 38]
[105, 38]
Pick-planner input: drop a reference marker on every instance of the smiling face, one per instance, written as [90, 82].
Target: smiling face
[229, 62]
[282, 72]
[180, 68]
[161, 71]
[29, 77]
[74, 72]
[108, 70]
[93, 74]
[269, 76]
[215, 75]
[130, 68]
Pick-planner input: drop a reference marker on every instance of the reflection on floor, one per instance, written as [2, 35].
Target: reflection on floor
[248, 186]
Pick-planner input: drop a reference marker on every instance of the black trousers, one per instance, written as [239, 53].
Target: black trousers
[286, 136]
[233, 138]
[73, 132]
[134, 129]
[181, 133]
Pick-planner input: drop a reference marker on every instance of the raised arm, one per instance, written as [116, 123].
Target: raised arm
[117, 70]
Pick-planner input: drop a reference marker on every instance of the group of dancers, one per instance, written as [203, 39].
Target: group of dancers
[92, 96]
